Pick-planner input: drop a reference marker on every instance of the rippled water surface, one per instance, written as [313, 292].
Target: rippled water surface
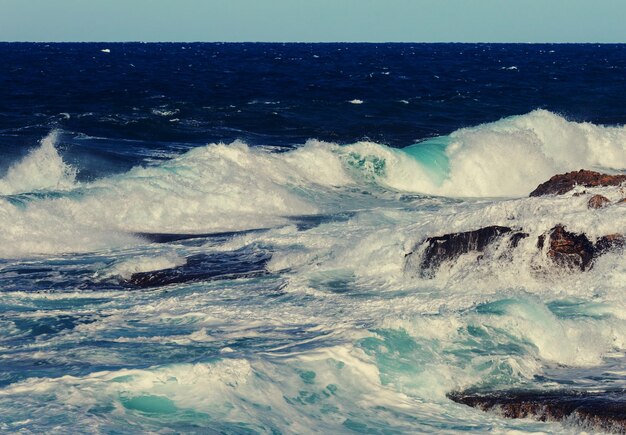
[217, 237]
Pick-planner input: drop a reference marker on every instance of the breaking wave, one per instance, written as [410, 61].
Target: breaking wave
[42, 169]
[231, 187]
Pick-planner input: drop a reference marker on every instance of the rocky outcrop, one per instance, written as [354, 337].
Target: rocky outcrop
[609, 243]
[451, 246]
[605, 411]
[598, 201]
[566, 249]
[204, 267]
[575, 251]
[563, 183]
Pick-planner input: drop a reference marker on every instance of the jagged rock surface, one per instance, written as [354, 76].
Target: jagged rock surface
[563, 183]
[566, 249]
[450, 246]
[604, 411]
[575, 251]
[598, 201]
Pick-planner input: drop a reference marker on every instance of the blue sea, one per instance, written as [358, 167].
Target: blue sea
[213, 238]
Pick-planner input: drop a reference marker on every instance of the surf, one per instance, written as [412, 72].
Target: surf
[232, 187]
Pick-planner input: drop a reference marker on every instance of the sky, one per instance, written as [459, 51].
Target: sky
[314, 20]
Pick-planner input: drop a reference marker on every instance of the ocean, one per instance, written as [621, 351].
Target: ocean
[218, 238]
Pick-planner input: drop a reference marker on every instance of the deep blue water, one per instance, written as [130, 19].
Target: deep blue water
[213, 237]
[284, 94]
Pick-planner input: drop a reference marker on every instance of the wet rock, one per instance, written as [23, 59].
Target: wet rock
[205, 267]
[450, 246]
[594, 411]
[609, 243]
[598, 201]
[567, 249]
[575, 251]
[562, 183]
[191, 237]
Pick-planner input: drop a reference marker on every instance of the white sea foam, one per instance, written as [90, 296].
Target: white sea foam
[512, 156]
[506, 158]
[163, 111]
[213, 188]
[231, 187]
[283, 392]
[42, 169]
[126, 268]
[369, 250]
[386, 359]
[329, 388]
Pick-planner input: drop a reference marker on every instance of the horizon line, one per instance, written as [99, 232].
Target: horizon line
[308, 42]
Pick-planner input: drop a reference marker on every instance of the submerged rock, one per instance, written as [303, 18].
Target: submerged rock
[562, 183]
[604, 410]
[451, 246]
[205, 267]
[598, 201]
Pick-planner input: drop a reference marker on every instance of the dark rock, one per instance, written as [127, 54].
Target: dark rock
[604, 411]
[598, 201]
[567, 249]
[516, 237]
[621, 201]
[562, 183]
[575, 251]
[609, 243]
[181, 237]
[168, 237]
[450, 246]
[205, 267]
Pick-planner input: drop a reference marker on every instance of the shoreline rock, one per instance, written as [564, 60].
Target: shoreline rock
[566, 249]
[576, 250]
[451, 246]
[604, 410]
[563, 183]
[598, 201]
[204, 267]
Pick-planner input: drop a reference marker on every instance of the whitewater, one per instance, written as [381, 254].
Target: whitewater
[219, 280]
[232, 187]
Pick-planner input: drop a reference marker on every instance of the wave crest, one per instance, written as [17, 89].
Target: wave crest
[41, 169]
[234, 187]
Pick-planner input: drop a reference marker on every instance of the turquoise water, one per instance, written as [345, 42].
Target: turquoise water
[432, 154]
[242, 255]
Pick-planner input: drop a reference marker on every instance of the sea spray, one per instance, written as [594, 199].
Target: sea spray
[42, 169]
